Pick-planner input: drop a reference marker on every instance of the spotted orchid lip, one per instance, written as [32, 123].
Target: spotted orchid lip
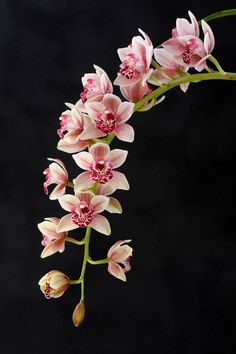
[82, 215]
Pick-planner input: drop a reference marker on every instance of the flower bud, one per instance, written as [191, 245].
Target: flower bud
[78, 314]
[54, 284]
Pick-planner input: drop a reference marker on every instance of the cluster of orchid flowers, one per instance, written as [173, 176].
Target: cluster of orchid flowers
[92, 123]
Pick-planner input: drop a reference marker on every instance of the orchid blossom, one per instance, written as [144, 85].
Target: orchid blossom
[186, 46]
[98, 116]
[54, 284]
[53, 241]
[136, 60]
[85, 209]
[109, 116]
[73, 121]
[56, 173]
[99, 164]
[119, 254]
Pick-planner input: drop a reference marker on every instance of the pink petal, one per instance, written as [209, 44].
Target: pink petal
[114, 206]
[121, 253]
[117, 157]
[82, 181]
[194, 24]
[101, 224]
[173, 46]
[123, 53]
[112, 102]
[125, 132]
[99, 202]
[53, 247]
[164, 58]
[85, 197]
[116, 246]
[58, 172]
[84, 160]
[201, 64]
[68, 201]
[105, 189]
[47, 228]
[125, 111]
[209, 41]
[93, 108]
[119, 181]
[99, 151]
[53, 220]
[91, 132]
[149, 54]
[116, 270]
[71, 147]
[66, 224]
[123, 81]
[59, 162]
[184, 27]
[185, 86]
[57, 192]
[146, 37]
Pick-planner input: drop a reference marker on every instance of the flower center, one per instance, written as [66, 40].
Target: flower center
[82, 214]
[102, 171]
[66, 124]
[189, 51]
[90, 89]
[128, 67]
[106, 121]
[48, 180]
[45, 241]
[47, 291]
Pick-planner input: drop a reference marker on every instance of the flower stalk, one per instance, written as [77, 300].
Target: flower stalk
[215, 75]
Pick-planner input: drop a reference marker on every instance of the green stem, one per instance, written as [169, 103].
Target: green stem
[73, 240]
[109, 138]
[217, 64]
[100, 261]
[75, 282]
[215, 75]
[218, 14]
[86, 257]
[70, 184]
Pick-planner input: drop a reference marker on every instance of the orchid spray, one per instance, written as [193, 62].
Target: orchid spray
[145, 75]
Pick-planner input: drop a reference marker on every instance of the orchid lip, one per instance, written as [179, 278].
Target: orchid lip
[106, 121]
[101, 171]
[82, 214]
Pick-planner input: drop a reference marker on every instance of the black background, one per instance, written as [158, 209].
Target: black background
[180, 210]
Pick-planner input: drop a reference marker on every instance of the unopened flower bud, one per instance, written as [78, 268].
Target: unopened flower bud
[54, 284]
[78, 314]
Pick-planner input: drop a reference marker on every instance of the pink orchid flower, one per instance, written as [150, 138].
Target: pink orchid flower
[52, 240]
[99, 164]
[119, 253]
[95, 87]
[187, 48]
[135, 92]
[136, 60]
[109, 116]
[74, 123]
[113, 206]
[56, 173]
[54, 284]
[85, 209]
[169, 67]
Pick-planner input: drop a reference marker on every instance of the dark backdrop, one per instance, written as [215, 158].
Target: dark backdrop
[180, 210]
